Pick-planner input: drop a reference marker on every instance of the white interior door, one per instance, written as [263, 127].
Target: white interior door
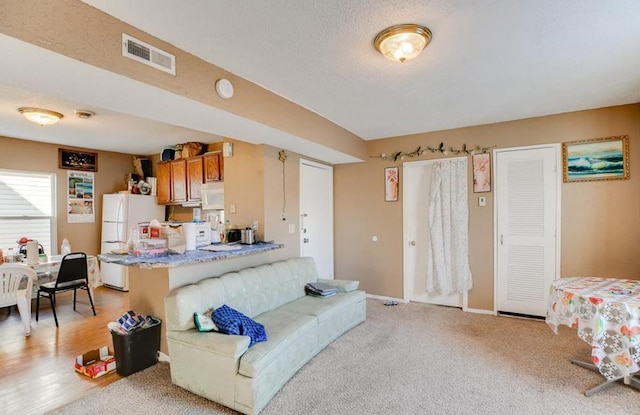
[416, 187]
[527, 234]
[316, 215]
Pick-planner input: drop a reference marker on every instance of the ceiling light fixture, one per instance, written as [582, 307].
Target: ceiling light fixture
[402, 42]
[40, 116]
[85, 114]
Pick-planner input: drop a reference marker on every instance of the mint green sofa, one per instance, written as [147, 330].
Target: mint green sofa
[222, 367]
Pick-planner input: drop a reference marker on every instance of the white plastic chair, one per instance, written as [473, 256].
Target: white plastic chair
[10, 293]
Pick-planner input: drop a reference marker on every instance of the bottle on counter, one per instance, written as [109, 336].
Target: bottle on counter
[11, 256]
[65, 248]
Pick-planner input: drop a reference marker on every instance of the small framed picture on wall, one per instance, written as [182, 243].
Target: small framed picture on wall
[77, 160]
[481, 173]
[391, 184]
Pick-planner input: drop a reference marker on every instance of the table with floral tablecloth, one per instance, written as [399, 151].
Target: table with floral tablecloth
[48, 271]
[606, 312]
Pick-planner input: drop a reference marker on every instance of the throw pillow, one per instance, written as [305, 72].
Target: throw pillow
[231, 321]
[204, 323]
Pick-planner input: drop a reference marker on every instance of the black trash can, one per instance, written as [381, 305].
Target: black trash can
[137, 350]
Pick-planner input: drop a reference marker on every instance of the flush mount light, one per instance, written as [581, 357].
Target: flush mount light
[40, 116]
[402, 42]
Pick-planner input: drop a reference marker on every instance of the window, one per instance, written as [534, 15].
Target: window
[27, 208]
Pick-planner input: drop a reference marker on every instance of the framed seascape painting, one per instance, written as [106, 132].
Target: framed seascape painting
[391, 176]
[597, 159]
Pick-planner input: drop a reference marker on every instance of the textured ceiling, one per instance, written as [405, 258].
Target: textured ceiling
[489, 61]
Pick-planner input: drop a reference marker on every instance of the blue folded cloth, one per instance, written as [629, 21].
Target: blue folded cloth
[231, 321]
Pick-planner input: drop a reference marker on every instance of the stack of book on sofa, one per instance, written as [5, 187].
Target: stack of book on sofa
[318, 289]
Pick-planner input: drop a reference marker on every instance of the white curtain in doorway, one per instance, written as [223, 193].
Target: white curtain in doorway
[448, 269]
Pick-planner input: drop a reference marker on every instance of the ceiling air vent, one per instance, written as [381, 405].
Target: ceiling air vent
[147, 54]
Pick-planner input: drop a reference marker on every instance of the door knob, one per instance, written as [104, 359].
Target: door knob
[412, 243]
[305, 240]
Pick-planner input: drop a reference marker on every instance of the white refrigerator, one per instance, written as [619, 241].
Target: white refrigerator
[120, 212]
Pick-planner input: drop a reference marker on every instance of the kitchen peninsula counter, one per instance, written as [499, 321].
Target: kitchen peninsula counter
[188, 258]
[151, 279]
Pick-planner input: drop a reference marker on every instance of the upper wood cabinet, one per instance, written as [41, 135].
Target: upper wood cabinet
[194, 178]
[179, 181]
[164, 183]
[213, 167]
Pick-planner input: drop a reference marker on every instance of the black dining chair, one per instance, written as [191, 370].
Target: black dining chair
[71, 276]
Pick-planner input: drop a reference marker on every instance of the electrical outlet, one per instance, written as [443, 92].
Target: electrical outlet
[292, 228]
[482, 201]
[232, 208]
[254, 226]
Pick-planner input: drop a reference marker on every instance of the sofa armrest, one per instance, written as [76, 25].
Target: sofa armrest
[343, 286]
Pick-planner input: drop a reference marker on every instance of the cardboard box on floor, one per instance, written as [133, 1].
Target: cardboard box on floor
[96, 363]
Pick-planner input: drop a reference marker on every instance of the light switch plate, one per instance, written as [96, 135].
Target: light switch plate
[292, 228]
[482, 201]
[227, 149]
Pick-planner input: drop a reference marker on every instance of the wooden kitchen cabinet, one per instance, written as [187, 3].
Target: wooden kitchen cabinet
[194, 178]
[164, 184]
[178, 180]
[213, 167]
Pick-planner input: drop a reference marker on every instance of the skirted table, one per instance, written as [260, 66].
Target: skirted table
[48, 271]
[606, 312]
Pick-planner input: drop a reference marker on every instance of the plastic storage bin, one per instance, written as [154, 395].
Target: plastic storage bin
[137, 350]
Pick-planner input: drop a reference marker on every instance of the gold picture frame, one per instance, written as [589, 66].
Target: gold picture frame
[596, 159]
[77, 160]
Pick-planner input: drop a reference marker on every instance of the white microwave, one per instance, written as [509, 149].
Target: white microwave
[212, 194]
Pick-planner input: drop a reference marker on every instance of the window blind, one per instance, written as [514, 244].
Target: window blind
[27, 208]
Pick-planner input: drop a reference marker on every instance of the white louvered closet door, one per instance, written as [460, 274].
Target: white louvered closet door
[527, 183]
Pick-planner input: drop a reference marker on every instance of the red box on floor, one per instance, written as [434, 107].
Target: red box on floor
[96, 363]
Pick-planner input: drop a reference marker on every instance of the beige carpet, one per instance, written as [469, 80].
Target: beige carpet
[409, 359]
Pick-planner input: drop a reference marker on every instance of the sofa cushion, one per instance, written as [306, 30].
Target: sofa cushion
[323, 308]
[252, 291]
[220, 343]
[285, 330]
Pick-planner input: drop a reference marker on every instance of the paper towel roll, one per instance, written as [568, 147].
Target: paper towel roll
[190, 235]
[32, 252]
[153, 182]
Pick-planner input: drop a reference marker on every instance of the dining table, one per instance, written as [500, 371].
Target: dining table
[47, 271]
[606, 314]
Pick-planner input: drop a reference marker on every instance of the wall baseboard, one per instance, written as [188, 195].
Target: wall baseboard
[479, 311]
[163, 357]
[382, 297]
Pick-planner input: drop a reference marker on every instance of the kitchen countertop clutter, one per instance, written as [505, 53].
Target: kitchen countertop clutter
[210, 253]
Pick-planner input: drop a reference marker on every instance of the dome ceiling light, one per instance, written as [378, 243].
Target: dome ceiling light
[40, 116]
[402, 42]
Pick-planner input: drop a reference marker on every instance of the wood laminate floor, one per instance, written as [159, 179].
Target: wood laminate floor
[36, 372]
